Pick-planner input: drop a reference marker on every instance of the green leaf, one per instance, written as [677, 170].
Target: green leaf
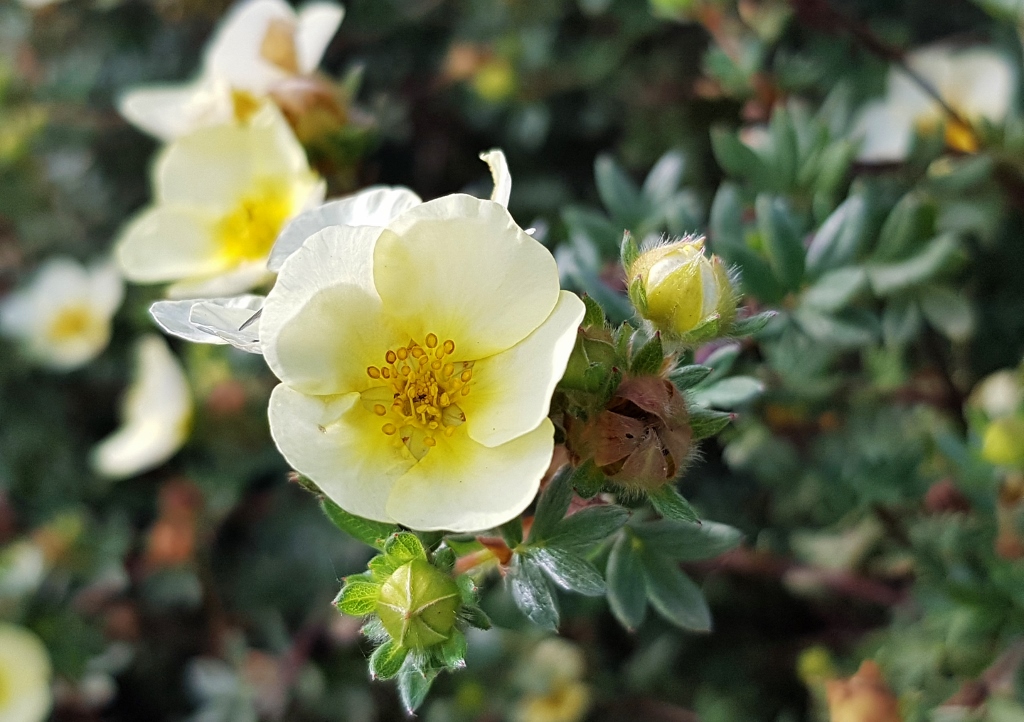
[721, 361]
[594, 225]
[834, 165]
[553, 504]
[588, 527]
[782, 240]
[671, 504]
[841, 237]
[512, 532]
[569, 571]
[358, 597]
[475, 616]
[413, 686]
[594, 316]
[531, 593]
[627, 591]
[706, 423]
[726, 223]
[381, 567]
[910, 221]
[938, 255]
[648, 360]
[686, 376]
[836, 289]
[736, 158]
[369, 532]
[901, 321]
[618, 192]
[840, 330]
[629, 251]
[387, 660]
[728, 393]
[453, 651]
[404, 547]
[750, 326]
[784, 149]
[444, 558]
[684, 541]
[948, 311]
[637, 293]
[674, 595]
[663, 179]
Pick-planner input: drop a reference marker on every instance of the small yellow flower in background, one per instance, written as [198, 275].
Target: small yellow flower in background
[418, 362]
[553, 678]
[495, 80]
[24, 676]
[678, 288]
[221, 196]
[63, 317]
[156, 415]
[977, 83]
[864, 697]
[259, 45]
[1003, 442]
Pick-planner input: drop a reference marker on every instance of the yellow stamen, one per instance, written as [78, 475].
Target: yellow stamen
[248, 232]
[431, 340]
[73, 322]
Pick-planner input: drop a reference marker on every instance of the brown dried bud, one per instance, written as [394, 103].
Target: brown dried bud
[943, 497]
[642, 440]
[313, 105]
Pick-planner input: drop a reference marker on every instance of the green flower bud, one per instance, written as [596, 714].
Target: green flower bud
[680, 290]
[418, 605]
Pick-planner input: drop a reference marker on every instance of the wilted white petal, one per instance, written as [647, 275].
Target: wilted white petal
[495, 159]
[156, 414]
[374, 206]
[173, 318]
[317, 24]
[233, 320]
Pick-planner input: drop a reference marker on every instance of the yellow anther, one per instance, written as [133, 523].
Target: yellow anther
[405, 370]
[416, 352]
[449, 346]
[389, 429]
[386, 373]
[445, 400]
[466, 375]
[391, 357]
[379, 410]
[436, 365]
[448, 370]
[431, 340]
[403, 353]
[464, 391]
[429, 440]
[449, 430]
[373, 372]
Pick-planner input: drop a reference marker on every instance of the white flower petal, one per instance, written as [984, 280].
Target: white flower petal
[171, 111]
[337, 443]
[230, 283]
[219, 321]
[317, 24]
[156, 414]
[167, 242]
[464, 486]
[886, 133]
[323, 324]
[981, 84]
[234, 320]
[106, 287]
[495, 159]
[25, 669]
[513, 389]
[235, 51]
[374, 206]
[461, 268]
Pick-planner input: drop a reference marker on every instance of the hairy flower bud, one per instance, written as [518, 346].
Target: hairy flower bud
[680, 290]
[418, 605]
[642, 440]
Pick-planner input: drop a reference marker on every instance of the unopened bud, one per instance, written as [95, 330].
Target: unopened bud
[418, 605]
[864, 697]
[679, 289]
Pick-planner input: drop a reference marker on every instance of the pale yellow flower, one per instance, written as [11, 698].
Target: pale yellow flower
[977, 83]
[156, 415]
[418, 361]
[221, 196]
[63, 317]
[24, 676]
[259, 45]
[553, 679]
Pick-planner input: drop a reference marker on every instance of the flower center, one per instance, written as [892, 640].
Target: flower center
[70, 323]
[421, 385]
[248, 232]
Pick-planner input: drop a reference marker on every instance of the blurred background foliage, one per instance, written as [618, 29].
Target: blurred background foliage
[876, 526]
